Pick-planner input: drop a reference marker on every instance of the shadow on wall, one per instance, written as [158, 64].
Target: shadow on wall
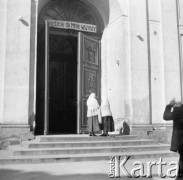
[24, 22]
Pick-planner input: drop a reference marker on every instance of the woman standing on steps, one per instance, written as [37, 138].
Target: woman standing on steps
[92, 114]
[107, 120]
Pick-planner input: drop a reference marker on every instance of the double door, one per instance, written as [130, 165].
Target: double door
[88, 77]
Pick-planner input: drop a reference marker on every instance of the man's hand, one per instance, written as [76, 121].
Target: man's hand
[172, 102]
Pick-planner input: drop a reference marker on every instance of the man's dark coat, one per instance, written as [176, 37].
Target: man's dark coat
[177, 135]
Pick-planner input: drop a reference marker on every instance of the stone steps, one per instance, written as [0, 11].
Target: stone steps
[71, 138]
[62, 148]
[84, 150]
[87, 144]
[84, 157]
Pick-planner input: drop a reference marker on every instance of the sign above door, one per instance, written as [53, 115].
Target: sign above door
[72, 25]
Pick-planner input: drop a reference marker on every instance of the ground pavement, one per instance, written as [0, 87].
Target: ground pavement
[88, 170]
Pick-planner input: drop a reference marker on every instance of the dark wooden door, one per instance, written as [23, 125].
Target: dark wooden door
[88, 76]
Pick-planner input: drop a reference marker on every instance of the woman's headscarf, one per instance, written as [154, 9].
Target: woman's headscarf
[93, 106]
[105, 108]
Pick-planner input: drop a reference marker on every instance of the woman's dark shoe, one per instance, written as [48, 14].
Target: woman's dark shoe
[103, 135]
[90, 134]
[94, 134]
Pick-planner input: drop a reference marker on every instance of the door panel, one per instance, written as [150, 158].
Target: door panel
[88, 75]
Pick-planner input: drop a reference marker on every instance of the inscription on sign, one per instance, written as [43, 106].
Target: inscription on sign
[72, 25]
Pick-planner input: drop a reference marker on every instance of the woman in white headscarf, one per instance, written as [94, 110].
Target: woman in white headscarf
[107, 120]
[92, 114]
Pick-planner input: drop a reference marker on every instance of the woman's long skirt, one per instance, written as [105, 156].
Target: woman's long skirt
[93, 124]
[108, 124]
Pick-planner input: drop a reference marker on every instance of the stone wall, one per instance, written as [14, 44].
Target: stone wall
[16, 61]
[160, 133]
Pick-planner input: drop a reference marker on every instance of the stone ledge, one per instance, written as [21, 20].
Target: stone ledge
[17, 131]
[160, 132]
[14, 126]
[151, 125]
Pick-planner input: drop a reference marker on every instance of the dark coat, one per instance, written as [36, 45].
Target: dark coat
[177, 135]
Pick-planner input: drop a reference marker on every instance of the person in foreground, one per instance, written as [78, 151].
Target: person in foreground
[92, 114]
[107, 120]
[174, 111]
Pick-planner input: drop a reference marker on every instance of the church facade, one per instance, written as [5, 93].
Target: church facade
[54, 53]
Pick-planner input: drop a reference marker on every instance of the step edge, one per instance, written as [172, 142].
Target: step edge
[98, 147]
[90, 155]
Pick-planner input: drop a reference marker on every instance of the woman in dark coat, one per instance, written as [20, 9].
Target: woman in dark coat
[107, 119]
[174, 111]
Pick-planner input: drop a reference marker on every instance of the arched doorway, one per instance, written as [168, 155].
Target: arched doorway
[67, 78]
